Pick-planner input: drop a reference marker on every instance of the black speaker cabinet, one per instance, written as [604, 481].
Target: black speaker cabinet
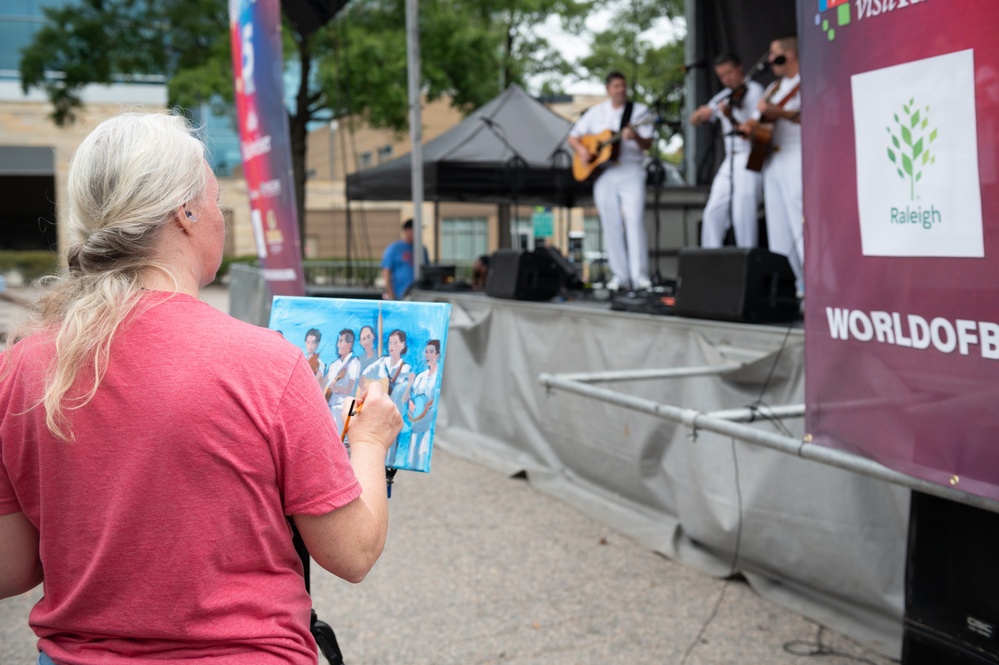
[735, 284]
[951, 584]
[523, 275]
[568, 272]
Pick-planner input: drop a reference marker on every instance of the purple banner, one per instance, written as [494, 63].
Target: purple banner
[255, 30]
[900, 124]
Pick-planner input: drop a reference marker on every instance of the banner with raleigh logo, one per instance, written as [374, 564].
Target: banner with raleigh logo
[255, 33]
[900, 127]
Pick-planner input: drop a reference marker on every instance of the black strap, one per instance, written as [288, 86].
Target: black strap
[625, 119]
[626, 116]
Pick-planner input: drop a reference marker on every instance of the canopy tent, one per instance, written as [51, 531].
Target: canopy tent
[511, 150]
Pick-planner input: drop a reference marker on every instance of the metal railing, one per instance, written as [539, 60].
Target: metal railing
[338, 272]
[727, 423]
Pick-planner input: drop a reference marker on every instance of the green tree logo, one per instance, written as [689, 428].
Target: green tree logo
[910, 159]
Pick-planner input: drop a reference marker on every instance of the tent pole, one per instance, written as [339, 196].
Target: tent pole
[415, 130]
[691, 144]
[504, 241]
[437, 230]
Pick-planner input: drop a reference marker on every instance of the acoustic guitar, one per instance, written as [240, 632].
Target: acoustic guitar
[760, 140]
[601, 148]
[762, 137]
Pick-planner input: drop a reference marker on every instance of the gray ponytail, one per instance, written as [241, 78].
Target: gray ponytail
[126, 181]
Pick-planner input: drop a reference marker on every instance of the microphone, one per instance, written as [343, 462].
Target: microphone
[767, 64]
[697, 64]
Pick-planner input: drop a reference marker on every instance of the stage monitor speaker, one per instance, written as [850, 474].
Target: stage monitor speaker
[569, 273]
[951, 584]
[307, 16]
[521, 275]
[735, 284]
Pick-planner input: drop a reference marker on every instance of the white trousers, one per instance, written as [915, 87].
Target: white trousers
[782, 200]
[736, 185]
[619, 194]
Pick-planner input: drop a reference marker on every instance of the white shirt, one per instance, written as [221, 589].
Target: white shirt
[604, 116]
[742, 113]
[321, 368]
[351, 373]
[384, 369]
[786, 133]
[425, 383]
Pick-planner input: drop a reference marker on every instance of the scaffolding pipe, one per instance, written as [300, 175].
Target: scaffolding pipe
[698, 420]
[646, 374]
[748, 414]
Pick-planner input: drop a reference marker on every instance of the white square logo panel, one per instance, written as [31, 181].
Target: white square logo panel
[917, 158]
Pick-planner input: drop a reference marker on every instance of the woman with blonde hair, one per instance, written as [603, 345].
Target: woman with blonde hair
[148, 472]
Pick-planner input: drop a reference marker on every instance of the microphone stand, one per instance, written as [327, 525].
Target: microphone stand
[516, 165]
[761, 65]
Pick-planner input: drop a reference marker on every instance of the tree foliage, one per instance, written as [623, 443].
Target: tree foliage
[653, 72]
[470, 50]
[184, 42]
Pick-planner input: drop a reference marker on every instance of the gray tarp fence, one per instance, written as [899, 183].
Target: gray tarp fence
[818, 540]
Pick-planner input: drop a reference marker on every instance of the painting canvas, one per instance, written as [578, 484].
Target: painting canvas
[352, 343]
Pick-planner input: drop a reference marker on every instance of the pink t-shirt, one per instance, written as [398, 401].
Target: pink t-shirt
[163, 525]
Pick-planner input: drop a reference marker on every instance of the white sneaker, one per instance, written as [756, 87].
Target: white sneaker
[613, 284]
[643, 284]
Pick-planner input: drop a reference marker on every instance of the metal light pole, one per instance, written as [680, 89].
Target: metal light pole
[415, 129]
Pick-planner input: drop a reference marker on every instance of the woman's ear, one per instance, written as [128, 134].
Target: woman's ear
[185, 217]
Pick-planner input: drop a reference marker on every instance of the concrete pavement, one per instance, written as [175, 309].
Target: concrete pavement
[481, 569]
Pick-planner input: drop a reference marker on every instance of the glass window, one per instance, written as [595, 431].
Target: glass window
[463, 239]
[593, 236]
[522, 233]
[19, 20]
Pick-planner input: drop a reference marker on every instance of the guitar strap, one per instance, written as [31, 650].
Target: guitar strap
[625, 119]
[788, 97]
[395, 377]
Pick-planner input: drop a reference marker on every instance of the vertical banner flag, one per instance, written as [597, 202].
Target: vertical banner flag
[900, 126]
[255, 31]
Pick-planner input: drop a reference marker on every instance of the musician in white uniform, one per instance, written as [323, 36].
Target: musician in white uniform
[781, 104]
[619, 191]
[312, 339]
[736, 191]
[421, 405]
[398, 376]
[397, 372]
[342, 375]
